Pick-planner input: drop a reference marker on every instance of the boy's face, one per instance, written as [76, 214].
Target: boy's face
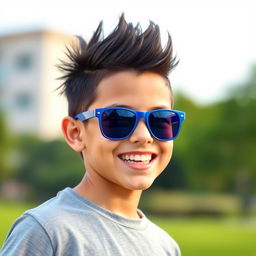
[103, 157]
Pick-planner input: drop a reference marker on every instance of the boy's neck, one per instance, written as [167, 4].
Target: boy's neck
[117, 199]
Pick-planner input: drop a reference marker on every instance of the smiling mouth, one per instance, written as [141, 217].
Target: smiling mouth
[141, 159]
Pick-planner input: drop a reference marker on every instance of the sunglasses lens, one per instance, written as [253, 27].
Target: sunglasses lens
[117, 123]
[164, 124]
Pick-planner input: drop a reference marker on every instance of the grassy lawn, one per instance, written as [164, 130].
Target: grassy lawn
[8, 213]
[196, 237]
[211, 237]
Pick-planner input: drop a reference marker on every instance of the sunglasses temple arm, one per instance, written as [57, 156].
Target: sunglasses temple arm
[86, 115]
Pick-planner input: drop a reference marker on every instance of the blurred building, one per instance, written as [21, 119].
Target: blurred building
[28, 80]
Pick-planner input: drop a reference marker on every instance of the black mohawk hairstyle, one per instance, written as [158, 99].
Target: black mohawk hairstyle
[126, 48]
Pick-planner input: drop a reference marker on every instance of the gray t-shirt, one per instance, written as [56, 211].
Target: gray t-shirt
[69, 225]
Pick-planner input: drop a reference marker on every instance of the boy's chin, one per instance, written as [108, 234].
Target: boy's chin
[141, 186]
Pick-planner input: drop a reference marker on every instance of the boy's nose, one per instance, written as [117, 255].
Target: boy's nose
[141, 133]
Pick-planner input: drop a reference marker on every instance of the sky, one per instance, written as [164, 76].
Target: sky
[214, 40]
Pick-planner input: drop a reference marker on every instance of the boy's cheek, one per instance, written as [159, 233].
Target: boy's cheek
[167, 155]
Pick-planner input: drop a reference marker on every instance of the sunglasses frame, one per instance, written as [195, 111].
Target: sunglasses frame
[99, 111]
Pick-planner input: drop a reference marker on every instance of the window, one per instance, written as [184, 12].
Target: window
[3, 73]
[23, 101]
[24, 61]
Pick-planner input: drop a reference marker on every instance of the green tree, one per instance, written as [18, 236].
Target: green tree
[217, 142]
[5, 149]
[48, 166]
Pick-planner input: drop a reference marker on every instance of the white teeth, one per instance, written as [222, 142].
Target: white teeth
[136, 157]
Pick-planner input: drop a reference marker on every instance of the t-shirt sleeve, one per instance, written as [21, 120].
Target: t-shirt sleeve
[177, 250]
[27, 238]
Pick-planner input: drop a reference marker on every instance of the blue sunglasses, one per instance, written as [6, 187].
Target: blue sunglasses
[118, 123]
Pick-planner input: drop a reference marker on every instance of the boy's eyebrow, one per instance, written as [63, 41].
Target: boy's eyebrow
[119, 105]
[130, 107]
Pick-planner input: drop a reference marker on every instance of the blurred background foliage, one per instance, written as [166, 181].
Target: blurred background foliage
[214, 154]
[216, 148]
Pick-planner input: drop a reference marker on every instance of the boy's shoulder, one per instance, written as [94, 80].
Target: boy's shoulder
[66, 205]
[41, 230]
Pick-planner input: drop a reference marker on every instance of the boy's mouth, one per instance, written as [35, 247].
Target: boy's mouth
[141, 158]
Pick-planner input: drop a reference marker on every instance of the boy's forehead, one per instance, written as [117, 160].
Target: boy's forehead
[133, 88]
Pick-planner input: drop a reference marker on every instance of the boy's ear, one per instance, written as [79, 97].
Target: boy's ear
[73, 133]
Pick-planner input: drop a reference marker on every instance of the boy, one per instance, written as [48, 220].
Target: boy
[121, 80]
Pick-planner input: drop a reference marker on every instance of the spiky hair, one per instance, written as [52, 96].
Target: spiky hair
[126, 48]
